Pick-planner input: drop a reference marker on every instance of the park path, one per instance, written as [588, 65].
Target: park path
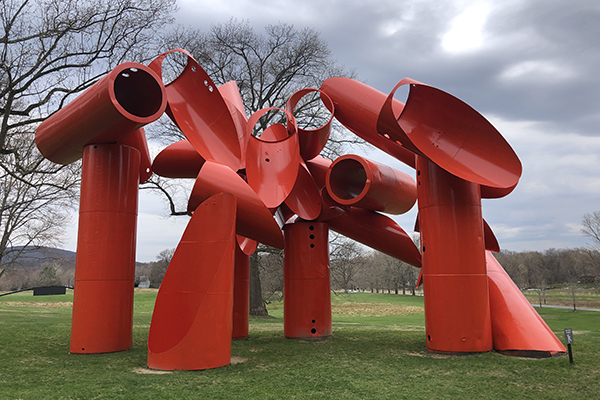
[566, 307]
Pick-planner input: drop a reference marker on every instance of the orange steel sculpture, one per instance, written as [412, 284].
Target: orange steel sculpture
[276, 189]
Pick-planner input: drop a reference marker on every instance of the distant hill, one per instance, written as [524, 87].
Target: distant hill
[34, 256]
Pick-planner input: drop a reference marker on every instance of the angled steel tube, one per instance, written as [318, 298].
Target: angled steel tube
[378, 232]
[356, 181]
[178, 160]
[126, 99]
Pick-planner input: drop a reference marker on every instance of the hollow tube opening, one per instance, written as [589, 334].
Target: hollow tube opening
[348, 179]
[138, 92]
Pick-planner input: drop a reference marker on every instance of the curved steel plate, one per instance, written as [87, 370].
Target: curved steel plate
[305, 199]
[199, 110]
[196, 292]
[452, 134]
[254, 220]
[312, 141]
[272, 166]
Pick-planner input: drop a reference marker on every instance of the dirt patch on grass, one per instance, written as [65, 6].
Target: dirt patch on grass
[238, 360]
[374, 309]
[37, 304]
[148, 371]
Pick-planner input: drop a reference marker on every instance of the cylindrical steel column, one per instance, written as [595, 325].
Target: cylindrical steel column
[105, 266]
[457, 311]
[306, 280]
[241, 294]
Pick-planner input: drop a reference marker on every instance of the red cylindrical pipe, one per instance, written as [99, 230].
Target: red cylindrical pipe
[129, 97]
[357, 107]
[241, 294]
[105, 267]
[356, 181]
[306, 281]
[457, 310]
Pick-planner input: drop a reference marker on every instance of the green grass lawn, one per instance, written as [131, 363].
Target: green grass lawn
[587, 298]
[377, 351]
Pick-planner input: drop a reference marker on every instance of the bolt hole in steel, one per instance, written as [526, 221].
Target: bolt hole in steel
[193, 69]
[348, 179]
[313, 331]
[133, 85]
[312, 245]
[313, 321]
[312, 236]
[312, 228]
[267, 159]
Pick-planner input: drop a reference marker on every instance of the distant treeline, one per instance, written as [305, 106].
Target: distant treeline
[535, 269]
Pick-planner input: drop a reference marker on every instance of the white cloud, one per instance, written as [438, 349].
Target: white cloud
[466, 32]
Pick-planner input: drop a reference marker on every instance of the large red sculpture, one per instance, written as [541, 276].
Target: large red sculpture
[275, 189]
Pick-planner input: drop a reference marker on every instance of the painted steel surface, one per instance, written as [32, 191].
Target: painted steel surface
[273, 159]
[356, 181]
[451, 134]
[105, 265]
[312, 141]
[457, 311]
[199, 110]
[378, 232]
[178, 160]
[318, 168]
[127, 98]
[305, 198]
[357, 107]
[241, 294]
[137, 140]
[517, 329]
[192, 320]
[254, 220]
[306, 281]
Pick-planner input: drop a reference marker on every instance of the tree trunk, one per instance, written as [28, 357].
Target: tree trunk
[257, 304]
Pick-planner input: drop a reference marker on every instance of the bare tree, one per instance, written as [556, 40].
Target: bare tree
[346, 260]
[51, 50]
[591, 227]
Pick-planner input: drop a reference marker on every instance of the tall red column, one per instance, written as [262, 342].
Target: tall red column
[457, 310]
[306, 280]
[241, 294]
[105, 267]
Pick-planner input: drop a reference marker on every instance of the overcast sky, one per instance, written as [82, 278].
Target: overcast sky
[531, 67]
